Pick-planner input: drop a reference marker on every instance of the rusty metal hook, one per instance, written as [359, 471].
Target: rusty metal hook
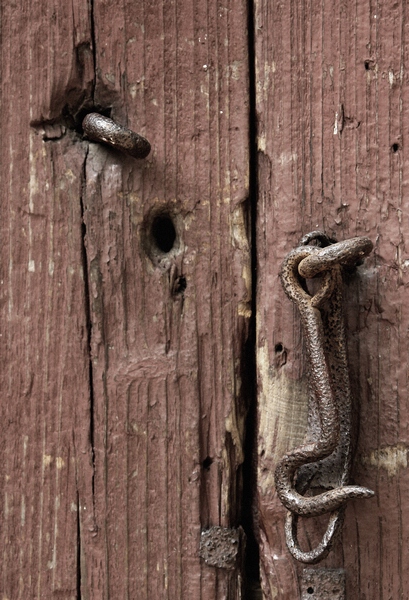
[325, 460]
[102, 129]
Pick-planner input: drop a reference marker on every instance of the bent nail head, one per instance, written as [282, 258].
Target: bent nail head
[104, 130]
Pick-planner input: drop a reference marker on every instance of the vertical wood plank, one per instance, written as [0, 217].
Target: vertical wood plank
[168, 326]
[332, 100]
[46, 69]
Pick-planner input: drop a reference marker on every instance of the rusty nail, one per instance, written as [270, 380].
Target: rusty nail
[102, 129]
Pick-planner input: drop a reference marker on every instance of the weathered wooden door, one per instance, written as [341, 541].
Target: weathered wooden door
[153, 372]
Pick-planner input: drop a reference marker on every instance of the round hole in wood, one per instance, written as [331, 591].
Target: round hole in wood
[163, 233]
[161, 236]
[207, 463]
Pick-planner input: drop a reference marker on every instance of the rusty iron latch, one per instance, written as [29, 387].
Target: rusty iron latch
[324, 461]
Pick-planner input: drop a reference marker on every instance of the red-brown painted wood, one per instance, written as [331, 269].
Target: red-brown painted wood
[168, 410]
[44, 386]
[122, 401]
[123, 369]
[333, 103]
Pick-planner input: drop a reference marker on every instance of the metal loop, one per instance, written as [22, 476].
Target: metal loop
[295, 287]
[324, 547]
[346, 253]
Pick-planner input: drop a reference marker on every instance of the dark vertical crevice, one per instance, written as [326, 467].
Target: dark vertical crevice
[79, 550]
[94, 45]
[253, 589]
[87, 307]
[88, 321]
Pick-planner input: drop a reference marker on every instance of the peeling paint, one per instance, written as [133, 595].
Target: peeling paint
[283, 410]
[235, 426]
[390, 458]
[240, 241]
[132, 88]
[59, 462]
[261, 142]
[244, 310]
[235, 69]
[336, 124]
[47, 460]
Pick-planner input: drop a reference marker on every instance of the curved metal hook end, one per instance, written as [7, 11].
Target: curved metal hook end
[104, 130]
[324, 547]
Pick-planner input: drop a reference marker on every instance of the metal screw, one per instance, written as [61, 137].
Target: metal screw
[102, 129]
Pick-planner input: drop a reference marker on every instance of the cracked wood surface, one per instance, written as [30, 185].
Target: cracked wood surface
[332, 102]
[111, 466]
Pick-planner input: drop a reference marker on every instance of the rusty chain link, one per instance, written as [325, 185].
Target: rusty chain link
[325, 462]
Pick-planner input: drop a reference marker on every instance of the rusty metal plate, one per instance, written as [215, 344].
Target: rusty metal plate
[222, 547]
[323, 584]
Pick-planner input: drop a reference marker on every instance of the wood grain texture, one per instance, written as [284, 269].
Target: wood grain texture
[44, 375]
[167, 363]
[332, 103]
[122, 402]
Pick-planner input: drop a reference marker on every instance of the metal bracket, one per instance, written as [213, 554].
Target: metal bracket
[222, 547]
[323, 584]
